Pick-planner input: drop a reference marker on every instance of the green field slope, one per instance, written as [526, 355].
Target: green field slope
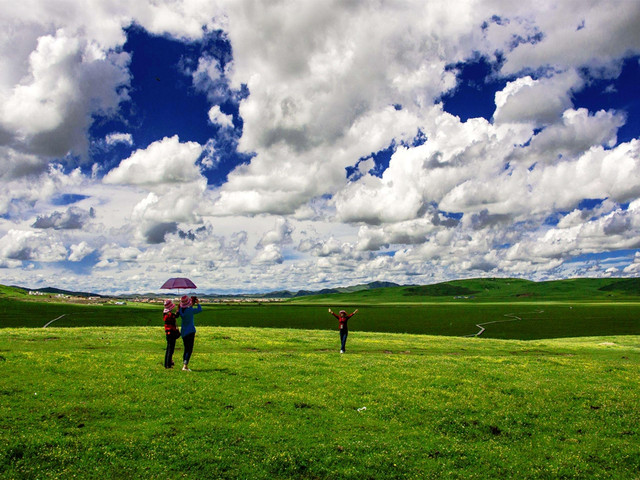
[96, 403]
[495, 289]
[496, 308]
[517, 320]
[12, 292]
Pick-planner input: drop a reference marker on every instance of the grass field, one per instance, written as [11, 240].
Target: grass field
[504, 308]
[269, 397]
[515, 320]
[282, 403]
[507, 290]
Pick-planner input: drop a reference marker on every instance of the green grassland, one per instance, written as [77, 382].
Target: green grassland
[494, 290]
[282, 403]
[502, 320]
[506, 308]
[269, 397]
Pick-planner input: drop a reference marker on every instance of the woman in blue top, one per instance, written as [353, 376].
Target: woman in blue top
[186, 312]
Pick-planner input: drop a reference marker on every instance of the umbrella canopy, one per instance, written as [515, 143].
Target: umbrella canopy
[178, 283]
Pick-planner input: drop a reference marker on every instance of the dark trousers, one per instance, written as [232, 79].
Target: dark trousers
[188, 341]
[171, 346]
[343, 339]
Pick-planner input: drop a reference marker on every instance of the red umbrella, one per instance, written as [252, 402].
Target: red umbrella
[178, 283]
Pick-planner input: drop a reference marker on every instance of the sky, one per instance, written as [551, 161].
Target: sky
[254, 146]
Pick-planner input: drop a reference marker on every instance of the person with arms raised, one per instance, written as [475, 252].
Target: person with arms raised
[343, 318]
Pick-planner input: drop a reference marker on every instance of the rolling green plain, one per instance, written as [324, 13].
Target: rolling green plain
[550, 390]
[506, 308]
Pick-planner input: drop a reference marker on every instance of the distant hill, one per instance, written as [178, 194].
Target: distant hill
[626, 285]
[59, 291]
[17, 290]
[495, 289]
[14, 291]
[306, 293]
[502, 288]
[354, 288]
[480, 289]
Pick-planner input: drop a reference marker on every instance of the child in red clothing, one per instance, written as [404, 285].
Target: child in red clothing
[171, 332]
[343, 318]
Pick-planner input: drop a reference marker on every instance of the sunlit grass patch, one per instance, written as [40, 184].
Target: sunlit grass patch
[283, 403]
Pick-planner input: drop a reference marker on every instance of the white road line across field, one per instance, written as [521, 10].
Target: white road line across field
[513, 318]
[47, 324]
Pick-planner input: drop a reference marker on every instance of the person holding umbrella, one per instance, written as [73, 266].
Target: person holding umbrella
[186, 313]
[171, 332]
[343, 318]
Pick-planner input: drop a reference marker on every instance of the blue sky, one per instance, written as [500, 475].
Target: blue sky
[259, 146]
[164, 101]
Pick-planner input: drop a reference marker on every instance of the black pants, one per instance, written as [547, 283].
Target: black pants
[188, 341]
[171, 346]
[343, 339]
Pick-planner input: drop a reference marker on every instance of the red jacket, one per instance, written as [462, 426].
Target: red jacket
[170, 326]
[343, 320]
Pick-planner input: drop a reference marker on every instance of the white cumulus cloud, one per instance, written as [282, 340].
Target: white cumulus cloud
[218, 118]
[118, 137]
[163, 162]
[80, 251]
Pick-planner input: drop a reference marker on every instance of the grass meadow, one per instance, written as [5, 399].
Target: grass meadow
[263, 403]
[506, 320]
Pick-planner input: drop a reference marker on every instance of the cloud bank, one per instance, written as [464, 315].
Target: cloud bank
[356, 168]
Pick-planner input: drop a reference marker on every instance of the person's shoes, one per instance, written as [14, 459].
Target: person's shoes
[186, 369]
[341, 351]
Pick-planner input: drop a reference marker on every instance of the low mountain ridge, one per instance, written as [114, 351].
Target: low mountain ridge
[498, 289]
